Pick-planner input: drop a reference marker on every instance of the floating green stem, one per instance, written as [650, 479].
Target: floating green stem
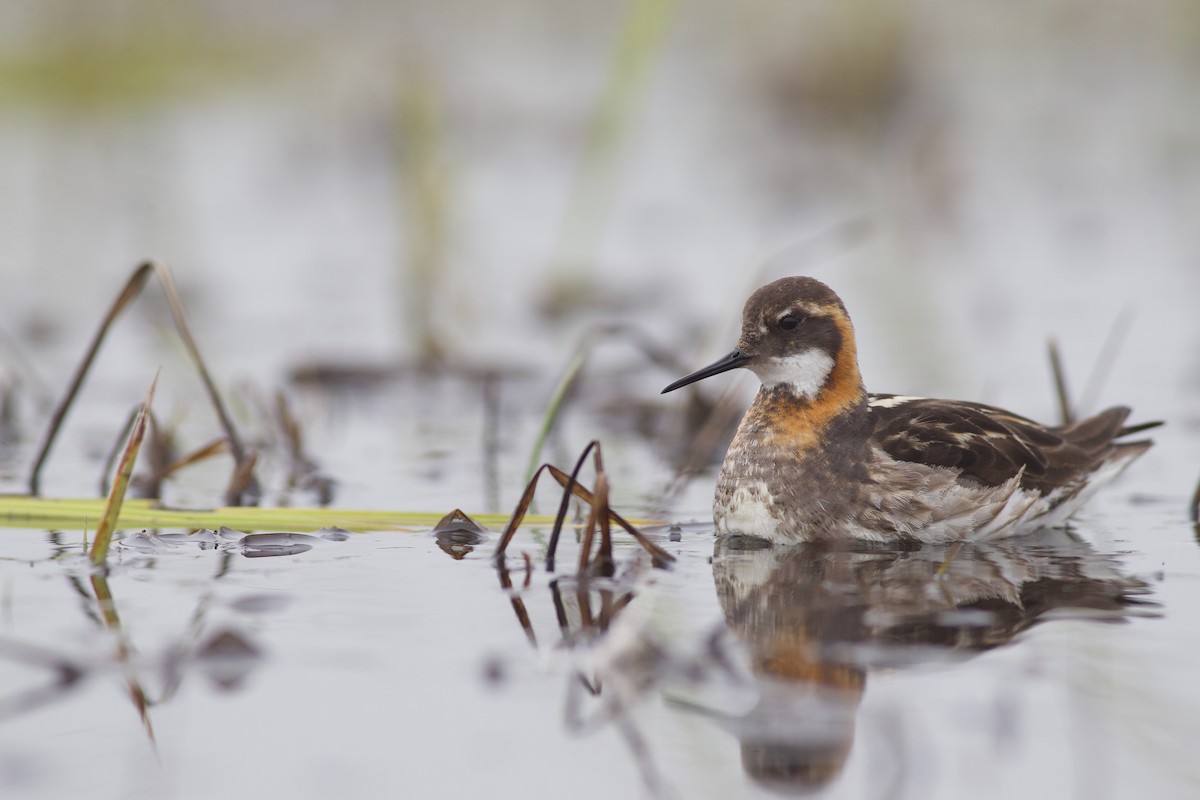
[21, 511]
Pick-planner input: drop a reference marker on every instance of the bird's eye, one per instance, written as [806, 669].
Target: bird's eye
[788, 322]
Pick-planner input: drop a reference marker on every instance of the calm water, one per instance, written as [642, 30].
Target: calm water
[964, 217]
[379, 665]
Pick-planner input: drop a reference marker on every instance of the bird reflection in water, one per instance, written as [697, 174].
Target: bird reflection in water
[814, 620]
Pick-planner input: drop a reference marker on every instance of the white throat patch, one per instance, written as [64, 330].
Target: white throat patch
[804, 372]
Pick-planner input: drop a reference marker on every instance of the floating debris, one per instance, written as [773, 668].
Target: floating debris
[251, 545]
[458, 535]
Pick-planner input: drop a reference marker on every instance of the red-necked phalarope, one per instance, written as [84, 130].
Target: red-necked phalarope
[816, 457]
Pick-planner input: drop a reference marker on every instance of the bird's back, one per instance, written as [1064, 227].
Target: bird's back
[1058, 467]
[991, 446]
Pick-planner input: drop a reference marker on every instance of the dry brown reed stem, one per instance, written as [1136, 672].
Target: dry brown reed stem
[661, 557]
[528, 570]
[605, 556]
[589, 530]
[110, 460]
[600, 511]
[560, 610]
[159, 455]
[559, 518]
[1065, 413]
[583, 600]
[137, 693]
[1195, 509]
[201, 453]
[128, 293]
[1102, 368]
[303, 471]
[568, 490]
[518, 516]
[242, 481]
[518, 604]
[289, 426]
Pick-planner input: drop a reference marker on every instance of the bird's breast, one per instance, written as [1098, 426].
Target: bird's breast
[790, 472]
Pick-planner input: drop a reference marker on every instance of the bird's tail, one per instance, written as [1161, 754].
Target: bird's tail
[1141, 426]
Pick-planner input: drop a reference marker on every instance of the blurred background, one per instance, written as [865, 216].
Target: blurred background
[416, 219]
[471, 184]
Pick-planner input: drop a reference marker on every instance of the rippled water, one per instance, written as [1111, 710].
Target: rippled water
[975, 185]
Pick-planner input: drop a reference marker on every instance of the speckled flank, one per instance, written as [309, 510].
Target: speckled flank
[784, 477]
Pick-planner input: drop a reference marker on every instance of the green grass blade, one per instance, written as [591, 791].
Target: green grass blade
[23, 511]
[555, 405]
[116, 497]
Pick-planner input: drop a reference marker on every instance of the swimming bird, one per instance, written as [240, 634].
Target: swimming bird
[817, 458]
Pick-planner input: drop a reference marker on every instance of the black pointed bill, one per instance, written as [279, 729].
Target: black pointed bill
[732, 361]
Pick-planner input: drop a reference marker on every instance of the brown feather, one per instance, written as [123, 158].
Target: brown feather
[991, 446]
